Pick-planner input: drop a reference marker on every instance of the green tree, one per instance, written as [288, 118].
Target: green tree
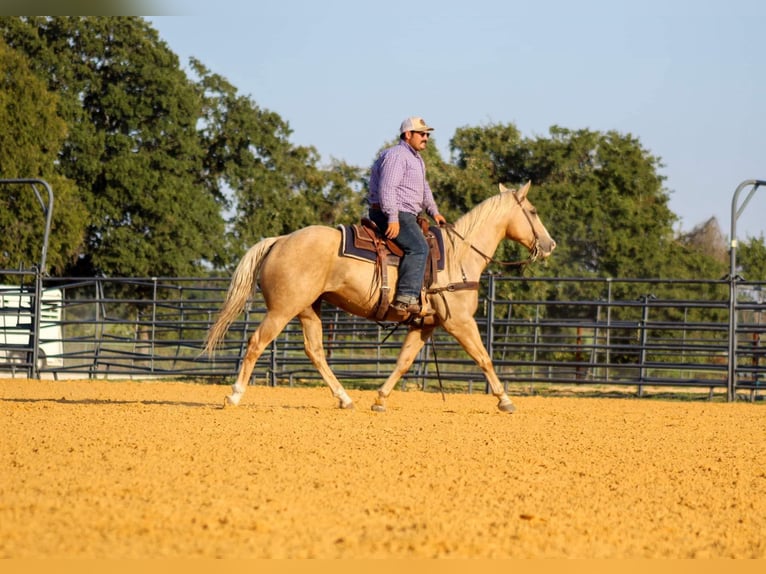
[30, 138]
[600, 195]
[751, 258]
[132, 149]
[270, 186]
[482, 158]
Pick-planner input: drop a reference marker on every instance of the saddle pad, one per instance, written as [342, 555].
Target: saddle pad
[349, 247]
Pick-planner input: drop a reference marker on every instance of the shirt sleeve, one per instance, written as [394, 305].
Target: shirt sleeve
[429, 202]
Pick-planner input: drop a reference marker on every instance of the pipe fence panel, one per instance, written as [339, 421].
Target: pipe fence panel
[539, 332]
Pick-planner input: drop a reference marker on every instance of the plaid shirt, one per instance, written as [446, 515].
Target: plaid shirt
[398, 183]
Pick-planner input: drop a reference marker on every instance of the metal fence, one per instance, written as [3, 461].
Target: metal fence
[627, 332]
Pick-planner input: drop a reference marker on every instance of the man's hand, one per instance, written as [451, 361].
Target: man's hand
[392, 230]
[439, 218]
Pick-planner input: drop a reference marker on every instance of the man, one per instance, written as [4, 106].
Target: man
[399, 192]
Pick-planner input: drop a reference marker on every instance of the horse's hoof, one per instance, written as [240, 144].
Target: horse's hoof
[228, 401]
[378, 408]
[506, 407]
[348, 406]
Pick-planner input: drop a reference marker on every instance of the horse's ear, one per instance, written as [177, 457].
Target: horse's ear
[522, 193]
[503, 189]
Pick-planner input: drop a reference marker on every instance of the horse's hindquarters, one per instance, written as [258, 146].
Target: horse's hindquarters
[306, 266]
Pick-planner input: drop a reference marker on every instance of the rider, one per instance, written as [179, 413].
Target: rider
[399, 192]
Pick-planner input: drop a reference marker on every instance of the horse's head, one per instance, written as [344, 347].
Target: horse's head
[525, 227]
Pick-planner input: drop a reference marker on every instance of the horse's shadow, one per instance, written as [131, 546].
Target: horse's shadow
[104, 402]
[108, 402]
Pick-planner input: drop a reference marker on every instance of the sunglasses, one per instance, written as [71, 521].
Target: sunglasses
[423, 134]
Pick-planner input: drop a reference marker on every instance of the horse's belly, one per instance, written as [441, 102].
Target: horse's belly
[353, 286]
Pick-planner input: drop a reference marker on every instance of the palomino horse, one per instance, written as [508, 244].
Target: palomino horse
[298, 271]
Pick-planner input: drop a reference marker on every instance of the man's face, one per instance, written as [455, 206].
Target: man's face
[417, 140]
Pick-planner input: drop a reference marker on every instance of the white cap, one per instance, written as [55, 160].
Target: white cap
[414, 124]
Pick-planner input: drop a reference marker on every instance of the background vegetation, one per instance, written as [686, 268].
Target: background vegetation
[160, 172]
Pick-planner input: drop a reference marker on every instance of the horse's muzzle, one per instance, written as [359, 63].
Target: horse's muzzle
[542, 248]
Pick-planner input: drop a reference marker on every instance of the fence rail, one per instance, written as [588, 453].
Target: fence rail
[635, 333]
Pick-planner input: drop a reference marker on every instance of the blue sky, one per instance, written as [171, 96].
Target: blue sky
[687, 78]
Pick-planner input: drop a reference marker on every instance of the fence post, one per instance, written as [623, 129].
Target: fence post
[154, 323]
[46, 203]
[642, 353]
[731, 377]
[736, 211]
[607, 371]
[273, 364]
[36, 311]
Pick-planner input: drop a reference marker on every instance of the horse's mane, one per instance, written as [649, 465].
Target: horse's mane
[468, 224]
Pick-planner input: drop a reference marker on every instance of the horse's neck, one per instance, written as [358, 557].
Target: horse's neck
[480, 236]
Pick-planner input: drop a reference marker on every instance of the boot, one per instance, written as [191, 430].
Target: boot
[405, 305]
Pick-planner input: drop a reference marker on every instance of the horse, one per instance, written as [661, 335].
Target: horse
[300, 270]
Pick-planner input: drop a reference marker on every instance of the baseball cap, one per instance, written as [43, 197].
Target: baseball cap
[414, 124]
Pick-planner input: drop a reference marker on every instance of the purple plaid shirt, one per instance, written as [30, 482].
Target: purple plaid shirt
[398, 183]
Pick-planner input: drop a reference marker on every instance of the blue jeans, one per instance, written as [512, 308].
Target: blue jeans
[412, 267]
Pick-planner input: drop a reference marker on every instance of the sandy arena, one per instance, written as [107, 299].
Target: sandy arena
[96, 469]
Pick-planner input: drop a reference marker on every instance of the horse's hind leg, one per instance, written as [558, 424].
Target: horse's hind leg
[259, 340]
[312, 341]
[413, 342]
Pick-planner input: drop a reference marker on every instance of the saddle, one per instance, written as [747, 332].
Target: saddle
[366, 242]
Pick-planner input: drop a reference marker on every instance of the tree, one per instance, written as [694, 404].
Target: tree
[270, 186]
[482, 158]
[132, 147]
[159, 158]
[707, 238]
[751, 259]
[600, 195]
[32, 133]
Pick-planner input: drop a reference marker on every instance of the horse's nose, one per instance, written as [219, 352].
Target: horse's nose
[551, 246]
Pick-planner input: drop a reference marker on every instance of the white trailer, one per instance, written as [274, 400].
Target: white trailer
[16, 327]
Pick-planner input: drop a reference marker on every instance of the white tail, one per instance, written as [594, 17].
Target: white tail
[240, 288]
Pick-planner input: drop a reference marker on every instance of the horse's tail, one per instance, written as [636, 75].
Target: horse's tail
[240, 289]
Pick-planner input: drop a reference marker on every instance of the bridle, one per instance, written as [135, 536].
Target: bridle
[534, 251]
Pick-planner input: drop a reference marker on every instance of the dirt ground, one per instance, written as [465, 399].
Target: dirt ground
[96, 469]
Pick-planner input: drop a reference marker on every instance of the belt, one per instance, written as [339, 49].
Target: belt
[375, 206]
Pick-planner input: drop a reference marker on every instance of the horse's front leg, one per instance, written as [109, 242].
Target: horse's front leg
[413, 342]
[466, 331]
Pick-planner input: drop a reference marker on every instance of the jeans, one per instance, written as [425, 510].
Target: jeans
[412, 267]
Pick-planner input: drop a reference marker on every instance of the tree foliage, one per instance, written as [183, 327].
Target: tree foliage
[600, 195]
[751, 259]
[270, 186]
[132, 148]
[160, 160]
[31, 135]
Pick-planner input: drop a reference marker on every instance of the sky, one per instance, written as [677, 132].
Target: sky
[686, 78]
